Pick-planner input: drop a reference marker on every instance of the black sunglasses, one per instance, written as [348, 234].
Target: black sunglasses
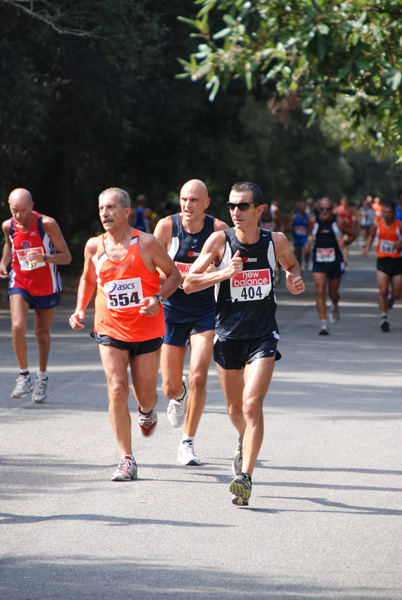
[329, 208]
[240, 205]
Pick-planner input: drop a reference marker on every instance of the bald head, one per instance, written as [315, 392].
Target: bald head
[20, 195]
[194, 201]
[195, 188]
[21, 205]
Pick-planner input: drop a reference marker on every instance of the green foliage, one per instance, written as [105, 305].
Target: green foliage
[329, 53]
[90, 100]
[291, 161]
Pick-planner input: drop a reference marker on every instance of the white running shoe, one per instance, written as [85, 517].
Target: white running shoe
[176, 410]
[147, 423]
[186, 454]
[126, 470]
[334, 315]
[23, 385]
[40, 390]
[238, 458]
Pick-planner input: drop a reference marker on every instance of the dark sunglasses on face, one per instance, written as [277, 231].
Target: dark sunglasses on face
[241, 205]
[325, 208]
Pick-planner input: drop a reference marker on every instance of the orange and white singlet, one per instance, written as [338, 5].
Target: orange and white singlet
[122, 287]
[386, 238]
[377, 208]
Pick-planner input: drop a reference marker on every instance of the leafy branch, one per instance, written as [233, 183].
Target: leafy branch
[50, 14]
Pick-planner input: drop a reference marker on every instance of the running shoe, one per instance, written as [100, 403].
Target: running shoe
[147, 423]
[176, 410]
[241, 489]
[238, 501]
[126, 470]
[390, 300]
[40, 390]
[186, 454]
[238, 458]
[385, 325]
[23, 385]
[334, 315]
[323, 331]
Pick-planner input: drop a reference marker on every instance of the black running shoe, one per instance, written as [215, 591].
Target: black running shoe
[385, 325]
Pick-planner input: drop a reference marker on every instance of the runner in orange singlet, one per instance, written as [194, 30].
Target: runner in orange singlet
[129, 320]
[389, 260]
[377, 208]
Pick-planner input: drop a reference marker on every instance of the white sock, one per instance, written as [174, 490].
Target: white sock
[323, 323]
[41, 375]
[187, 438]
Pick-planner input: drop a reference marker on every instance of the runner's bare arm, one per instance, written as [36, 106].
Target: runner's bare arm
[63, 256]
[7, 254]
[201, 276]
[348, 234]
[220, 225]
[155, 258]
[294, 281]
[163, 231]
[370, 240]
[398, 244]
[86, 286]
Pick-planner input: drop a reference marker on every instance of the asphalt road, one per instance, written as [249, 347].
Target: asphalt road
[324, 520]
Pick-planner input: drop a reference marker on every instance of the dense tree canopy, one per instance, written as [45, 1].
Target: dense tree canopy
[91, 99]
[322, 53]
[81, 111]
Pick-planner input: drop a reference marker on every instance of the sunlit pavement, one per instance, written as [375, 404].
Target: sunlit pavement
[324, 520]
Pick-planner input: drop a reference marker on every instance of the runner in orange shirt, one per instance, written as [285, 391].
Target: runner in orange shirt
[377, 208]
[129, 320]
[389, 259]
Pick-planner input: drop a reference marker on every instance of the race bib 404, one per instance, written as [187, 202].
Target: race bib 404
[124, 293]
[250, 285]
[325, 255]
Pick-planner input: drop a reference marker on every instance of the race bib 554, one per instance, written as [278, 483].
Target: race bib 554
[124, 293]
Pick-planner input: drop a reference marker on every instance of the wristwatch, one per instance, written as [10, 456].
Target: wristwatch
[160, 299]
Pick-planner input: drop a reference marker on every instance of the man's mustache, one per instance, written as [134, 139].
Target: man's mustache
[107, 220]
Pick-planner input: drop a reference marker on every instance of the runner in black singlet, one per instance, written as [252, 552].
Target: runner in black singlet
[190, 320]
[246, 331]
